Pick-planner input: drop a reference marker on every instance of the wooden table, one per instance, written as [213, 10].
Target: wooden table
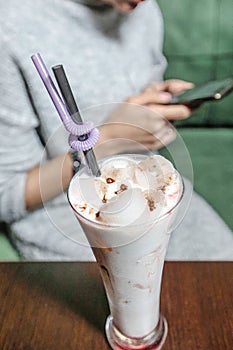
[62, 306]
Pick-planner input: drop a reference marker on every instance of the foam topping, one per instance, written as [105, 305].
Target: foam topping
[128, 191]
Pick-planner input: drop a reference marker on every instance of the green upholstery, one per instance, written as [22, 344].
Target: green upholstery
[211, 154]
[199, 47]
[7, 252]
[213, 167]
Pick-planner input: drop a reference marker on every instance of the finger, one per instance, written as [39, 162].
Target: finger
[151, 123]
[153, 86]
[165, 135]
[148, 97]
[167, 139]
[157, 144]
[173, 86]
[160, 139]
[158, 129]
[172, 112]
[176, 86]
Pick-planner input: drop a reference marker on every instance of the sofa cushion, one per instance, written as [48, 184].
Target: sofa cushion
[211, 154]
[7, 252]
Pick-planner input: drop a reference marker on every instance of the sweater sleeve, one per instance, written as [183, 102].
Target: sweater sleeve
[20, 146]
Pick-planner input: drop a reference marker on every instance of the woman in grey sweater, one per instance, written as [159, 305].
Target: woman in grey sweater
[111, 54]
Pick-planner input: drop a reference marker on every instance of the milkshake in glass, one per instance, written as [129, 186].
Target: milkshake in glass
[127, 215]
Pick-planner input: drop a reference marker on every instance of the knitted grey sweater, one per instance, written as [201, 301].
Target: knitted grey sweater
[108, 57]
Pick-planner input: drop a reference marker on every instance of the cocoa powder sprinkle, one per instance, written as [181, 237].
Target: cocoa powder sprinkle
[123, 187]
[151, 204]
[109, 180]
[104, 200]
[82, 207]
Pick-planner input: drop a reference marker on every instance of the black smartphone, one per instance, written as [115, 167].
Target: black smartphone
[210, 91]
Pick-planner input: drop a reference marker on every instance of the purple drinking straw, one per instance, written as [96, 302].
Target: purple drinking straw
[51, 88]
[70, 125]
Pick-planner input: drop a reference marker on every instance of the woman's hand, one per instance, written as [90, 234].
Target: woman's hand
[141, 123]
[131, 127]
[157, 96]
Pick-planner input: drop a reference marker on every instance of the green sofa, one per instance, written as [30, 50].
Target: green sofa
[7, 251]
[198, 46]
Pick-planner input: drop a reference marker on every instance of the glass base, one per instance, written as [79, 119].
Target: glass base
[153, 341]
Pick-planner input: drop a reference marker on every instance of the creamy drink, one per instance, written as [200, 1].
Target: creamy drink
[127, 215]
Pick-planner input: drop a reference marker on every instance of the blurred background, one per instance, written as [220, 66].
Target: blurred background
[198, 47]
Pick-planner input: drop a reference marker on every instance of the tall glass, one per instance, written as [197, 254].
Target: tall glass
[131, 259]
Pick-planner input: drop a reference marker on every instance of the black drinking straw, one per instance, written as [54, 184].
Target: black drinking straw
[75, 114]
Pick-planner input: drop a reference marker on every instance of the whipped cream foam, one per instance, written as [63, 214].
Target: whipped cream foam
[128, 191]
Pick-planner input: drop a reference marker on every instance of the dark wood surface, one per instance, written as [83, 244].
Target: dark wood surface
[62, 306]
